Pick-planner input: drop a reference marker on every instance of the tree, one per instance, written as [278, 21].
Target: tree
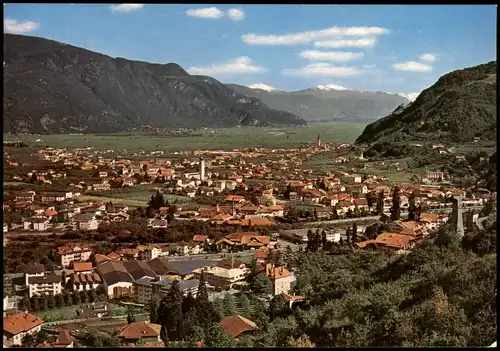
[43, 302]
[154, 304]
[354, 233]
[254, 270]
[92, 295]
[229, 305]
[41, 337]
[371, 198]
[76, 297]
[348, 236]
[68, 298]
[25, 304]
[469, 225]
[396, 205]
[301, 342]
[51, 301]
[84, 296]
[380, 203]
[204, 308]
[261, 285]
[59, 300]
[412, 208]
[216, 336]
[164, 334]
[28, 341]
[277, 307]
[130, 317]
[324, 241]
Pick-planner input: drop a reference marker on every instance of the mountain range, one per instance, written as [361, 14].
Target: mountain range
[326, 102]
[51, 87]
[460, 106]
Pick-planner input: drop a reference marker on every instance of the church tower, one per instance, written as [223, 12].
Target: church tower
[319, 141]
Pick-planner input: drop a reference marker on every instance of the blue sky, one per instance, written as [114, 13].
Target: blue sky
[399, 49]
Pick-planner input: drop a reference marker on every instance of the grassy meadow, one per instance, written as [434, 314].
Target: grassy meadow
[226, 138]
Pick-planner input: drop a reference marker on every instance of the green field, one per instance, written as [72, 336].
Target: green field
[115, 200]
[135, 196]
[226, 138]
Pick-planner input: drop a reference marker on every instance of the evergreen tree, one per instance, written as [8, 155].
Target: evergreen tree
[92, 295]
[188, 303]
[380, 203]
[412, 209]
[154, 305]
[84, 296]
[324, 242]
[204, 308]
[348, 236]
[277, 307]
[51, 301]
[25, 304]
[76, 297]
[229, 305]
[176, 323]
[469, 225]
[130, 317]
[354, 233]
[261, 284]
[68, 298]
[216, 336]
[254, 270]
[396, 205]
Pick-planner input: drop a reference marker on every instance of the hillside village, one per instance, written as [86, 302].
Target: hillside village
[239, 218]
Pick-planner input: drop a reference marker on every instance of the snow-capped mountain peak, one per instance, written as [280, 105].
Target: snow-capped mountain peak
[331, 87]
[410, 96]
[261, 86]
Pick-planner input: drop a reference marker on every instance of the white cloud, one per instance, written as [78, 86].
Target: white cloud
[410, 96]
[347, 43]
[321, 70]
[428, 57]
[307, 37]
[412, 66]
[241, 64]
[126, 7]
[236, 14]
[13, 26]
[339, 56]
[261, 86]
[369, 66]
[208, 12]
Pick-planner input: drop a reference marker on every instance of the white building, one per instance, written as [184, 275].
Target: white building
[221, 278]
[73, 253]
[281, 279]
[48, 284]
[16, 326]
[147, 253]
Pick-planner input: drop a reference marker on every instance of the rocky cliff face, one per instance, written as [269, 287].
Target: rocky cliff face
[50, 87]
[460, 106]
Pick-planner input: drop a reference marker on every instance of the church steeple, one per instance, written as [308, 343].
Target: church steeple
[319, 141]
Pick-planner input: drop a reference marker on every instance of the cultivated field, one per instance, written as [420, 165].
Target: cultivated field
[133, 196]
[227, 138]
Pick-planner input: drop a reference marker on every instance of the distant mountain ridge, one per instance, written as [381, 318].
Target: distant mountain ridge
[327, 102]
[461, 105]
[51, 87]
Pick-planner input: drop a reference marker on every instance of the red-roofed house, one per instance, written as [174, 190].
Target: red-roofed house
[16, 326]
[200, 239]
[237, 325]
[74, 253]
[134, 332]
